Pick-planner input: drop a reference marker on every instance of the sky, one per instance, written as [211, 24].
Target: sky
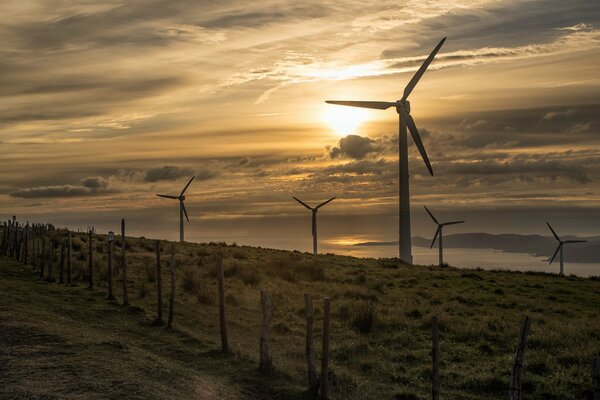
[104, 104]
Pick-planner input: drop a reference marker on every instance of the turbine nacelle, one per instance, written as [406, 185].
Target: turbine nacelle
[402, 105]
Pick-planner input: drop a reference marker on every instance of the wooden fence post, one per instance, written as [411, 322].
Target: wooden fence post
[266, 302]
[26, 254]
[61, 271]
[33, 247]
[435, 359]
[43, 258]
[596, 377]
[172, 292]
[110, 273]
[90, 260]
[159, 320]
[514, 392]
[70, 259]
[222, 324]
[3, 246]
[313, 379]
[124, 264]
[325, 360]
[49, 278]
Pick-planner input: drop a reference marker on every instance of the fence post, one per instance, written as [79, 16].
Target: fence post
[313, 379]
[435, 359]
[61, 271]
[43, 258]
[90, 259]
[325, 360]
[124, 264]
[26, 250]
[110, 272]
[222, 324]
[172, 292]
[514, 392]
[159, 320]
[49, 278]
[70, 259]
[3, 246]
[33, 247]
[266, 302]
[596, 377]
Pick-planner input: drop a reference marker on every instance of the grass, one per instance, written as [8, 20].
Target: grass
[380, 333]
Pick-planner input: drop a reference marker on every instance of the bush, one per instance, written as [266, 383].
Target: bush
[251, 276]
[191, 280]
[364, 317]
[204, 293]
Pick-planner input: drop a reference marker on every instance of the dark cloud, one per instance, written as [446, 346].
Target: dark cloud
[353, 146]
[95, 182]
[167, 172]
[90, 186]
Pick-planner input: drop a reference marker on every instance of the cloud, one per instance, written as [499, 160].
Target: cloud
[549, 116]
[95, 182]
[168, 172]
[353, 146]
[95, 185]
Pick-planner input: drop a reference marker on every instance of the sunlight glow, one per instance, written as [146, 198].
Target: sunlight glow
[344, 120]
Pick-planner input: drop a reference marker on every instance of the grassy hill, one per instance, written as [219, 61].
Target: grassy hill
[72, 342]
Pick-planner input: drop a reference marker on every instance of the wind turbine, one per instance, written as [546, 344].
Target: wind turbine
[560, 248]
[182, 209]
[314, 219]
[406, 121]
[440, 233]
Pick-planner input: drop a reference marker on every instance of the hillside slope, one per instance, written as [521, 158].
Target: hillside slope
[96, 346]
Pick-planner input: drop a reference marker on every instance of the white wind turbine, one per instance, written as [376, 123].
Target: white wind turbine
[314, 219]
[406, 122]
[439, 232]
[182, 209]
[560, 248]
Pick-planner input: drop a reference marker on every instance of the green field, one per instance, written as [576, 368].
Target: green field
[70, 342]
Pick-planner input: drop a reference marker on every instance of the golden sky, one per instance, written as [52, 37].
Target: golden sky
[104, 104]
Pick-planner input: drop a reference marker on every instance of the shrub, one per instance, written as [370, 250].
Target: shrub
[204, 293]
[251, 276]
[191, 280]
[287, 274]
[364, 317]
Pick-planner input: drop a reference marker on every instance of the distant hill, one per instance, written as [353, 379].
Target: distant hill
[536, 245]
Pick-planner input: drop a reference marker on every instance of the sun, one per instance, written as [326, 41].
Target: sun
[344, 120]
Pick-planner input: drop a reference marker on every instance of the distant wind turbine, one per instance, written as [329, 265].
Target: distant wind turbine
[406, 121]
[314, 219]
[182, 209]
[439, 232]
[560, 248]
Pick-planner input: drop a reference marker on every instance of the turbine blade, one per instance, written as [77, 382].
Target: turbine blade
[415, 79]
[185, 212]
[301, 202]
[437, 232]
[555, 253]
[325, 202]
[554, 233]
[575, 241]
[416, 138]
[453, 223]
[166, 196]
[186, 186]
[378, 105]
[431, 215]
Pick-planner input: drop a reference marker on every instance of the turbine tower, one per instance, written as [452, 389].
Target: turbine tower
[182, 209]
[406, 122]
[560, 248]
[439, 232]
[314, 219]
